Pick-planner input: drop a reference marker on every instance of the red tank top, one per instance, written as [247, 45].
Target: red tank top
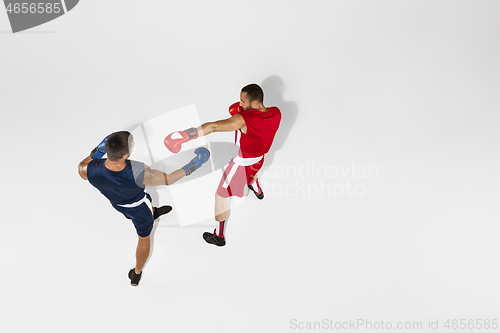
[261, 129]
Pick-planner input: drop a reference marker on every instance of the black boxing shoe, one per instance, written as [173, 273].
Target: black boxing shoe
[159, 211]
[211, 238]
[260, 195]
[134, 278]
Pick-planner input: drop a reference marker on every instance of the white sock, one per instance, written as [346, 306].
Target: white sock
[219, 228]
[256, 187]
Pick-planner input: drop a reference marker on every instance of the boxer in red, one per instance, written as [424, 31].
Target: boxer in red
[255, 127]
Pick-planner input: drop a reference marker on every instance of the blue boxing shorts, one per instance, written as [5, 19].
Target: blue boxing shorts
[141, 214]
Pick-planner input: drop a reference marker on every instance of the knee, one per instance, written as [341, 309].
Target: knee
[220, 201]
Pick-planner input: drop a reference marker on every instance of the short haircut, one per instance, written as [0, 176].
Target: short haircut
[118, 145]
[254, 93]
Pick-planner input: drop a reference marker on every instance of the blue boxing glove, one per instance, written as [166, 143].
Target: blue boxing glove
[99, 151]
[202, 155]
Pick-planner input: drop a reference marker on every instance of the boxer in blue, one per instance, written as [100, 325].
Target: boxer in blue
[124, 182]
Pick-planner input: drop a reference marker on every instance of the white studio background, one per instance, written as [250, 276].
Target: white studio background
[398, 98]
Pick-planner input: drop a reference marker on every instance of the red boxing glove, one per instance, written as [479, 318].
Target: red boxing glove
[235, 108]
[174, 141]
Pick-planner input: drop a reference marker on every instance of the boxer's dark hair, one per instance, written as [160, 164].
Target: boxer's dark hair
[118, 145]
[254, 93]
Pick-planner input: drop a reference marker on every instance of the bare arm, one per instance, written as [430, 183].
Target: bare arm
[234, 123]
[155, 177]
[82, 167]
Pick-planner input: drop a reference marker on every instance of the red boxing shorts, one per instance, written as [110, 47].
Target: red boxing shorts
[236, 177]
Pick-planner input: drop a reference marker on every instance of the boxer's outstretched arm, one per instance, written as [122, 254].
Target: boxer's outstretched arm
[82, 167]
[234, 123]
[154, 177]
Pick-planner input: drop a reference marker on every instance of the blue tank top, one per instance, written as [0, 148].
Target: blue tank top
[120, 187]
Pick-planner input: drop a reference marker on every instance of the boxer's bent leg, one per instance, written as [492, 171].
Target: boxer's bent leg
[220, 215]
[143, 222]
[253, 181]
[142, 253]
[232, 183]
[142, 217]
[220, 208]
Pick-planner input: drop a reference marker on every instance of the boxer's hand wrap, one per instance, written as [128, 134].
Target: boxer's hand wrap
[202, 155]
[235, 108]
[192, 132]
[174, 141]
[99, 151]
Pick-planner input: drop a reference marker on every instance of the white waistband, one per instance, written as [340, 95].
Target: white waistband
[137, 203]
[246, 161]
